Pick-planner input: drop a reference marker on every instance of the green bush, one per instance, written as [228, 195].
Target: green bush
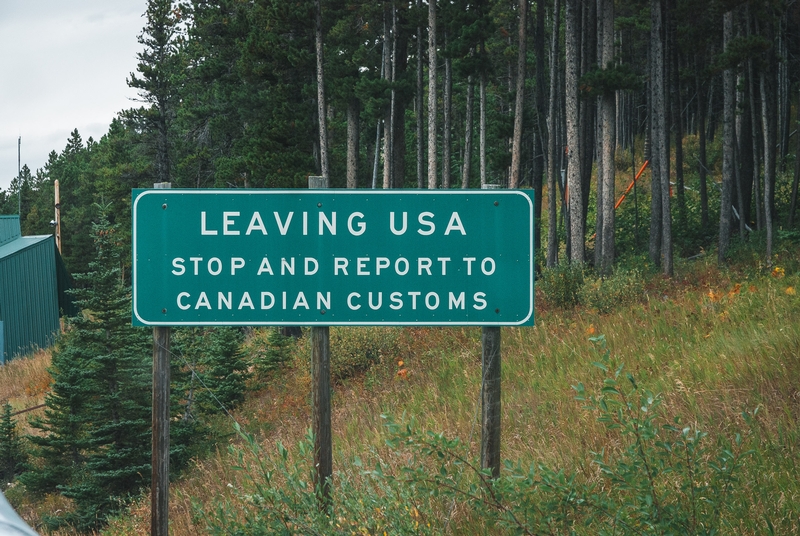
[561, 284]
[355, 349]
[268, 350]
[605, 293]
[276, 496]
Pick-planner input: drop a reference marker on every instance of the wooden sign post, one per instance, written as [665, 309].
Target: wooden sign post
[490, 393]
[321, 399]
[159, 485]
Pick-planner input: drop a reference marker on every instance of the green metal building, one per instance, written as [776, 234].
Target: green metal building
[32, 284]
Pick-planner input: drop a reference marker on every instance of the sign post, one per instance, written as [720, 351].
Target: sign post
[491, 416]
[321, 399]
[159, 482]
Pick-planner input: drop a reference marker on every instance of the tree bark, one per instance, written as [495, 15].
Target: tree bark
[419, 113]
[482, 121]
[660, 220]
[323, 127]
[353, 128]
[467, 165]
[574, 186]
[552, 160]
[768, 124]
[540, 133]
[705, 224]
[516, 144]
[447, 119]
[388, 124]
[432, 94]
[727, 146]
[609, 140]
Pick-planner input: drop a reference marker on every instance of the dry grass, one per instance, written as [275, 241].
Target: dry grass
[24, 383]
[711, 342]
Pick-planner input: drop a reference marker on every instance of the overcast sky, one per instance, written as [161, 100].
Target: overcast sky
[63, 65]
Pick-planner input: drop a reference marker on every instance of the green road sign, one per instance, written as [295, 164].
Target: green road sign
[332, 257]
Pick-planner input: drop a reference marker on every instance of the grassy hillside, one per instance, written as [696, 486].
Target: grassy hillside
[717, 346]
[719, 349]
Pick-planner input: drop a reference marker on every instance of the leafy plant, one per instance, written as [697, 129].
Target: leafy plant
[562, 284]
[355, 349]
[606, 293]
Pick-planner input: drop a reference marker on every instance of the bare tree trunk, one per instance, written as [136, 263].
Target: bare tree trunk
[608, 115]
[388, 124]
[323, 127]
[482, 122]
[676, 104]
[447, 119]
[465, 170]
[552, 160]
[540, 128]
[419, 113]
[587, 107]
[702, 165]
[784, 114]
[754, 119]
[768, 124]
[657, 132]
[432, 94]
[727, 146]
[662, 147]
[575, 190]
[353, 107]
[516, 145]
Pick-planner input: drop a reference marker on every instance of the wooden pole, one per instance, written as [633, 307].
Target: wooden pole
[58, 215]
[490, 400]
[321, 399]
[490, 393]
[159, 492]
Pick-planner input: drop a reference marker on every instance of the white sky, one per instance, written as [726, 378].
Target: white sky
[63, 65]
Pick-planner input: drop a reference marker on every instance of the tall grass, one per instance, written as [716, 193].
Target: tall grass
[714, 344]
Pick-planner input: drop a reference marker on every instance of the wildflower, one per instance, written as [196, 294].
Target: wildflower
[400, 363]
[790, 291]
[778, 272]
[591, 330]
[403, 373]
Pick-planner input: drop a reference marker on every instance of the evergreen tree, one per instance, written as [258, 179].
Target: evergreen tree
[217, 373]
[95, 442]
[12, 449]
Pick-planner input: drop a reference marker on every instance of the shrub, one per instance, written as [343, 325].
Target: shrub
[561, 284]
[605, 293]
[355, 349]
[269, 350]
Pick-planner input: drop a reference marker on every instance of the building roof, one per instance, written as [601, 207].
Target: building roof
[9, 229]
[15, 246]
[11, 239]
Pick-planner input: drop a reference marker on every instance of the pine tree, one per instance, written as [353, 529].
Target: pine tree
[217, 373]
[95, 441]
[12, 449]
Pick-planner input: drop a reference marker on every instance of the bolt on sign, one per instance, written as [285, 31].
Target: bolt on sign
[332, 257]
